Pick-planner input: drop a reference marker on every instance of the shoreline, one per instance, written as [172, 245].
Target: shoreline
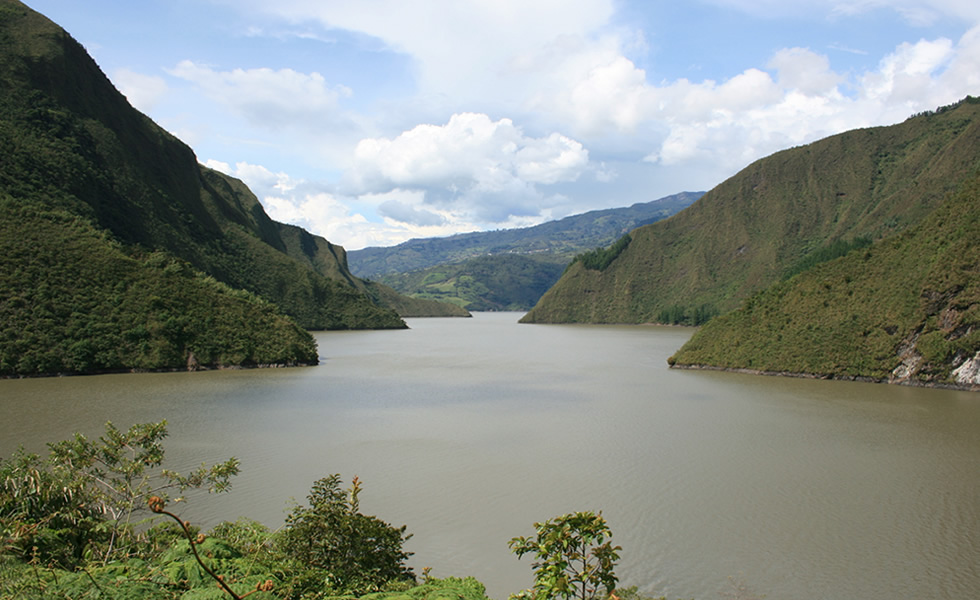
[857, 378]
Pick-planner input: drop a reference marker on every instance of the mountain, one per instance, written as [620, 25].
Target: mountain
[500, 282]
[558, 240]
[126, 199]
[906, 310]
[757, 227]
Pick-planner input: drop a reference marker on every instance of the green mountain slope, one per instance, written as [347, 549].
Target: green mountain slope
[906, 309]
[558, 240]
[71, 145]
[752, 229]
[72, 141]
[75, 301]
[500, 282]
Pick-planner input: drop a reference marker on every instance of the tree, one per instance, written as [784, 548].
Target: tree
[575, 558]
[83, 499]
[352, 553]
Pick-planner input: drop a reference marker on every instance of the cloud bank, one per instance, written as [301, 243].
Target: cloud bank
[520, 111]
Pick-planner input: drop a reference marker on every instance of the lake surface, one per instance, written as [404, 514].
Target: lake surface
[470, 430]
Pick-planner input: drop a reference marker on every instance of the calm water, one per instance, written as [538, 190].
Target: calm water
[470, 430]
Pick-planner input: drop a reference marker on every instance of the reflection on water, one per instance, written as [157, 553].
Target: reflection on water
[470, 430]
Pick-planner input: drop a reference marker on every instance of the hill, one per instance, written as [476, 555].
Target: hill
[906, 309]
[756, 227]
[500, 282]
[71, 147]
[75, 301]
[556, 241]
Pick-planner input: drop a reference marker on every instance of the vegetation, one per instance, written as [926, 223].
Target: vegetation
[75, 301]
[686, 315]
[554, 242]
[600, 258]
[904, 309]
[86, 523]
[500, 282]
[575, 558]
[835, 249]
[752, 229]
[357, 553]
[145, 247]
[93, 520]
[408, 305]
[80, 506]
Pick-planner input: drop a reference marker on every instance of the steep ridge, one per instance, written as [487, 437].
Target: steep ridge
[751, 230]
[905, 310]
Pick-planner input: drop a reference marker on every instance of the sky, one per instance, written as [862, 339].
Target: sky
[371, 122]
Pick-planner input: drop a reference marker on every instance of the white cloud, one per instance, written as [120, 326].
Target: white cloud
[804, 71]
[460, 46]
[579, 110]
[471, 165]
[142, 91]
[589, 85]
[909, 72]
[267, 97]
[739, 121]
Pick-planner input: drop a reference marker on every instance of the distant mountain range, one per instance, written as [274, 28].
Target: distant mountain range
[558, 240]
[119, 251]
[780, 216]
[508, 269]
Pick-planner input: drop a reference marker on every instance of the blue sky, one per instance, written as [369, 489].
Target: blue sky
[374, 121]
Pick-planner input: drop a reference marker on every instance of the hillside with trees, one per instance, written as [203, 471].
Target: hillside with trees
[511, 282]
[105, 183]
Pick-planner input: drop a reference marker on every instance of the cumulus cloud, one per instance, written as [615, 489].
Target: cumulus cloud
[471, 165]
[578, 109]
[756, 113]
[264, 96]
[142, 91]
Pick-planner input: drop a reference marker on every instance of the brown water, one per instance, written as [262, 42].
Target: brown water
[470, 430]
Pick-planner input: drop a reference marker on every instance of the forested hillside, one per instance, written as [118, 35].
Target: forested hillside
[761, 224]
[75, 155]
[503, 282]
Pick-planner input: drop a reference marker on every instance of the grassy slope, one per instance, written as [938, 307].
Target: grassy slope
[905, 309]
[560, 240]
[747, 232]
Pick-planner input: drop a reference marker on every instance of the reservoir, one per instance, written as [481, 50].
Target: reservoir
[469, 431]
